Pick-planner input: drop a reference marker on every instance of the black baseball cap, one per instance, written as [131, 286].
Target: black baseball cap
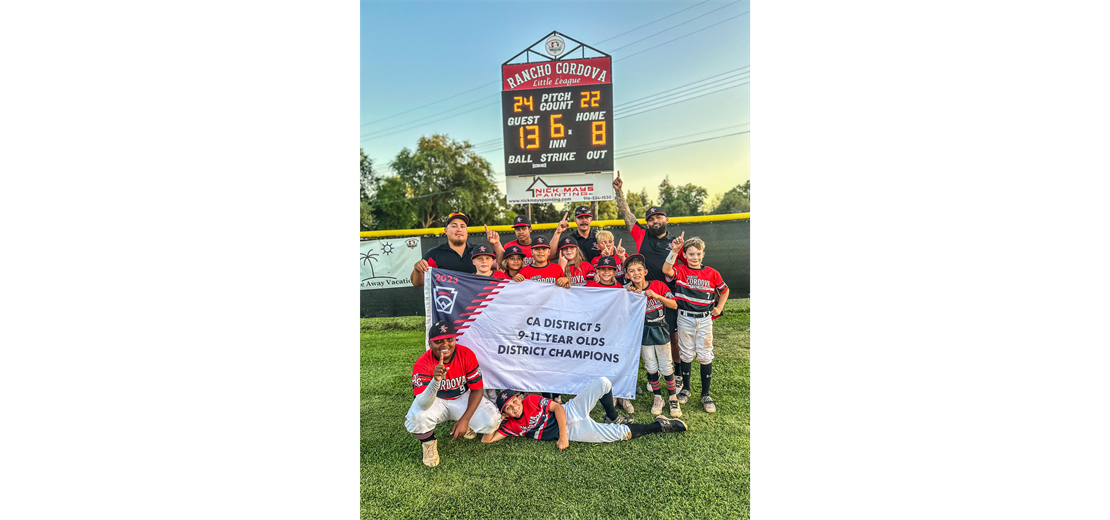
[655, 210]
[442, 329]
[482, 251]
[582, 211]
[522, 221]
[637, 256]
[540, 241]
[607, 262]
[457, 215]
[503, 399]
[513, 250]
[567, 242]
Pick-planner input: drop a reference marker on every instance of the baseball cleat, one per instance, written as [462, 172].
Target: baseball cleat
[683, 395]
[671, 425]
[627, 405]
[619, 420]
[431, 454]
[675, 410]
[470, 433]
[657, 406]
[707, 402]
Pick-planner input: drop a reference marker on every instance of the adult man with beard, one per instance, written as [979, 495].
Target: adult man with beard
[652, 242]
[453, 255]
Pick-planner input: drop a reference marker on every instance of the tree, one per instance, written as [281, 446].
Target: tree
[607, 210]
[368, 179]
[735, 200]
[681, 201]
[638, 203]
[441, 176]
[366, 216]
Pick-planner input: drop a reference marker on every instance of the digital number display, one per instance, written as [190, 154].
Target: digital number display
[558, 130]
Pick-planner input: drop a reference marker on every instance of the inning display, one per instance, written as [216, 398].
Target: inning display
[558, 130]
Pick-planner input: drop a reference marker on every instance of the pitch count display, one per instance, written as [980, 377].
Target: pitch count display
[558, 130]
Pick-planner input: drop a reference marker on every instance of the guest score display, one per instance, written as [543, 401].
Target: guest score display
[558, 130]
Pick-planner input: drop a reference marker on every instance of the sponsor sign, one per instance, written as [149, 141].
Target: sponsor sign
[387, 263]
[542, 189]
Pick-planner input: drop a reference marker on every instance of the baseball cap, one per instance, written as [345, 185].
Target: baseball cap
[522, 221]
[637, 256]
[582, 211]
[503, 399]
[540, 241]
[482, 251]
[655, 210]
[513, 250]
[457, 215]
[607, 262]
[567, 242]
[442, 329]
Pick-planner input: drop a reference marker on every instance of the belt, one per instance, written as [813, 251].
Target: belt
[689, 314]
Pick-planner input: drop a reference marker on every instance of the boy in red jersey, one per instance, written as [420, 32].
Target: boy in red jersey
[484, 259]
[655, 347]
[447, 383]
[541, 270]
[522, 227]
[701, 293]
[543, 419]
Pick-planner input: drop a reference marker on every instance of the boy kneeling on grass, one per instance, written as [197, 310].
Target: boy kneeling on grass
[544, 419]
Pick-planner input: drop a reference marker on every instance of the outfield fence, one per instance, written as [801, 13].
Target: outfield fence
[727, 245]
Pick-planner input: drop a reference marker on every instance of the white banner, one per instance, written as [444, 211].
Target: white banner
[388, 263]
[539, 337]
[541, 189]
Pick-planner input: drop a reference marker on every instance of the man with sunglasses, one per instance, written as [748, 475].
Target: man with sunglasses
[455, 254]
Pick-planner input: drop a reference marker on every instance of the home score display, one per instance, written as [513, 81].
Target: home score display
[559, 130]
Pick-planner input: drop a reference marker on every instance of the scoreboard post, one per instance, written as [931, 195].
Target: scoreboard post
[557, 121]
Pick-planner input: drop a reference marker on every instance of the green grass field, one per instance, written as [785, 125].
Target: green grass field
[702, 473]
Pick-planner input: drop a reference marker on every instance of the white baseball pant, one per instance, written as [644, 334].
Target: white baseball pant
[695, 336]
[580, 427]
[657, 358]
[486, 418]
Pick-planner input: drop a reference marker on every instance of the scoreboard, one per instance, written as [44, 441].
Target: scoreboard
[557, 117]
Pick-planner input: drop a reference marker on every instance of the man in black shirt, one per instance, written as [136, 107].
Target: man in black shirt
[455, 254]
[586, 237]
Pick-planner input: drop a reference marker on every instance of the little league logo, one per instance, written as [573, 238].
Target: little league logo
[445, 299]
[555, 46]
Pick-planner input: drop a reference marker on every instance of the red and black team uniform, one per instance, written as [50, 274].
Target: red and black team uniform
[502, 275]
[536, 421]
[654, 322]
[696, 289]
[463, 373]
[580, 274]
[549, 273]
[619, 276]
[696, 293]
[527, 251]
[443, 257]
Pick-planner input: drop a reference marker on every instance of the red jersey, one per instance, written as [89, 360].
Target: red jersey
[579, 276]
[527, 251]
[500, 275]
[617, 259]
[548, 273]
[654, 311]
[463, 373]
[696, 289]
[536, 420]
[594, 283]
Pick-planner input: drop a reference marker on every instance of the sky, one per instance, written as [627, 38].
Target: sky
[448, 56]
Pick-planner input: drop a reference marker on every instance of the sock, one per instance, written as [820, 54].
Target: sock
[706, 373]
[639, 430]
[425, 437]
[686, 376]
[653, 380]
[670, 384]
[677, 368]
[607, 403]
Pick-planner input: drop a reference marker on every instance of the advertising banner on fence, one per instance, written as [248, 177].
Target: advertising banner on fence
[539, 337]
[542, 189]
[388, 263]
